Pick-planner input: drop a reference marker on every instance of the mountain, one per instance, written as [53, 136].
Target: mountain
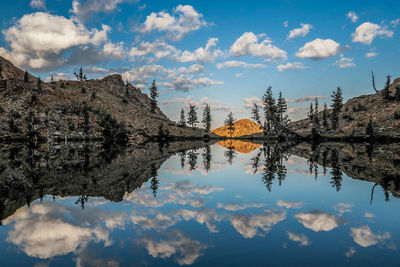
[356, 114]
[79, 109]
[242, 127]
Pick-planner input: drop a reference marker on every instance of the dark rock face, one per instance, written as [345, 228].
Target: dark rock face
[89, 170]
[56, 110]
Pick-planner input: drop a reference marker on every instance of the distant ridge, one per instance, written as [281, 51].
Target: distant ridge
[242, 127]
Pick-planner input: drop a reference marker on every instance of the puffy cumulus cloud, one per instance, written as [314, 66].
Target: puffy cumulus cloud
[39, 4]
[369, 215]
[305, 99]
[367, 32]
[248, 44]
[249, 102]
[185, 83]
[352, 16]
[301, 238]
[289, 204]
[206, 216]
[236, 207]
[177, 244]
[159, 222]
[214, 104]
[184, 19]
[159, 49]
[394, 23]
[45, 230]
[203, 54]
[248, 226]
[343, 207]
[141, 74]
[370, 54]
[89, 257]
[195, 68]
[300, 32]
[319, 48]
[84, 10]
[364, 237]
[319, 221]
[239, 64]
[38, 40]
[345, 62]
[291, 66]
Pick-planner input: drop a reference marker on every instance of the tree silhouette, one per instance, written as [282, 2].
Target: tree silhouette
[182, 120]
[153, 95]
[325, 116]
[80, 76]
[154, 180]
[207, 158]
[182, 156]
[256, 114]
[230, 154]
[337, 104]
[207, 118]
[192, 160]
[386, 91]
[336, 180]
[26, 77]
[230, 123]
[192, 115]
[281, 107]
[269, 109]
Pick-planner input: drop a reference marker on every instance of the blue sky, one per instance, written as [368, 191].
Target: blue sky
[224, 53]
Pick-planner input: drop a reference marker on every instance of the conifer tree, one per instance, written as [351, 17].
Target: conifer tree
[316, 111]
[269, 109]
[192, 115]
[80, 76]
[230, 123]
[207, 118]
[337, 104]
[325, 116]
[153, 95]
[386, 91]
[39, 85]
[282, 107]
[26, 76]
[256, 114]
[311, 112]
[182, 120]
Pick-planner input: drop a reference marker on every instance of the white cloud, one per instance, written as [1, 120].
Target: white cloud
[300, 32]
[185, 83]
[370, 54]
[352, 16]
[249, 102]
[285, 24]
[319, 48]
[344, 62]
[305, 99]
[369, 215]
[239, 74]
[291, 66]
[364, 237]
[184, 19]
[203, 54]
[236, 207]
[319, 221]
[394, 23]
[84, 11]
[248, 226]
[350, 253]
[366, 33]
[158, 48]
[248, 44]
[214, 104]
[39, 4]
[238, 64]
[37, 40]
[343, 207]
[289, 204]
[206, 216]
[186, 250]
[301, 238]
[195, 68]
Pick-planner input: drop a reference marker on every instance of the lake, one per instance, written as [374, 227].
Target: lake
[230, 203]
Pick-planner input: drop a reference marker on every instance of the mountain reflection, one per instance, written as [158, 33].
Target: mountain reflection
[174, 203]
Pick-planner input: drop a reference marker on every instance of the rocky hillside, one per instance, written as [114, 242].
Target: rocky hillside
[78, 109]
[242, 127]
[356, 114]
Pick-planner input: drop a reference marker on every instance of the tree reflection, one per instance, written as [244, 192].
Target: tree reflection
[192, 159]
[82, 200]
[154, 180]
[182, 157]
[207, 158]
[336, 173]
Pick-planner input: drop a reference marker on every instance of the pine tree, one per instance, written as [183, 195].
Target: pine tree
[80, 76]
[311, 112]
[337, 104]
[207, 118]
[26, 77]
[153, 95]
[255, 114]
[316, 111]
[325, 115]
[192, 115]
[230, 123]
[182, 120]
[386, 91]
[269, 109]
[282, 107]
[39, 85]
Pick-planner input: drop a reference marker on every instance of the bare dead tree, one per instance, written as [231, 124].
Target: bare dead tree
[373, 81]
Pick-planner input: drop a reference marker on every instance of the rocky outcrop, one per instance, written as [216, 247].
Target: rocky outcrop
[75, 109]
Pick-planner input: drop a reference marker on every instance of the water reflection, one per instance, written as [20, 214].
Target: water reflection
[198, 203]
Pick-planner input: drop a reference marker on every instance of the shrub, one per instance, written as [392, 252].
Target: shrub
[83, 90]
[396, 115]
[359, 107]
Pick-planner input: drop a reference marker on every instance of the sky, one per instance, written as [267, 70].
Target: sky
[222, 53]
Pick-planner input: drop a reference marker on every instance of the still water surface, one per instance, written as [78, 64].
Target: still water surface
[226, 204]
